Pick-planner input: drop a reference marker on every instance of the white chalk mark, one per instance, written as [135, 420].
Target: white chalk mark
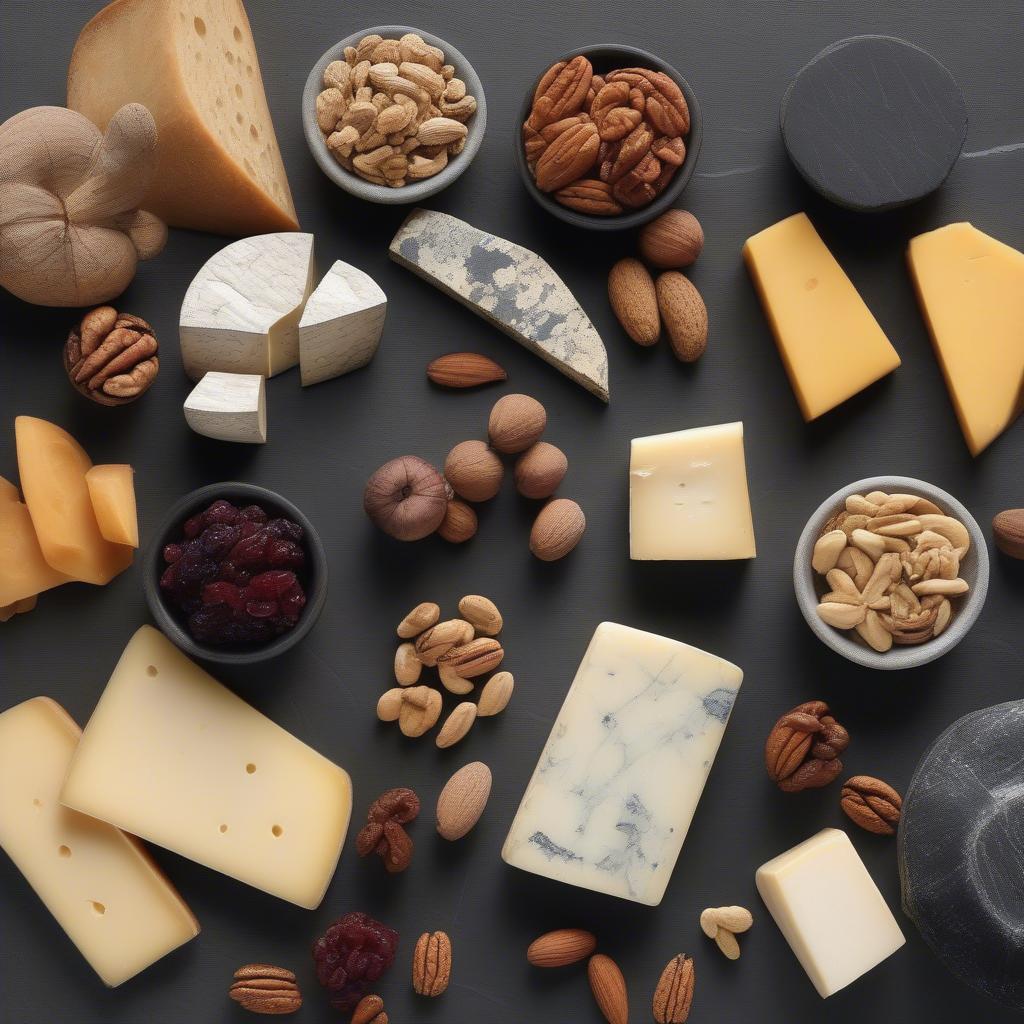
[1010, 147]
[731, 171]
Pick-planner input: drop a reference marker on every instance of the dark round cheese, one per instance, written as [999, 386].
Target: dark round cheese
[961, 850]
[874, 122]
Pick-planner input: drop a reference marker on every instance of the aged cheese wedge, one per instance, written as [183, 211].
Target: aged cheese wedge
[971, 290]
[229, 407]
[193, 64]
[24, 572]
[618, 781]
[241, 312]
[342, 323]
[52, 466]
[112, 492]
[174, 757]
[831, 345]
[100, 884]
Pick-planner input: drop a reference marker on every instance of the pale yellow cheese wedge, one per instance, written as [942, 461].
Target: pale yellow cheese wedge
[113, 500]
[52, 466]
[24, 572]
[971, 290]
[193, 64]
[99, 883]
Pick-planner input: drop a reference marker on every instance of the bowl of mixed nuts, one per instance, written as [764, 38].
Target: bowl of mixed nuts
[891, 572]
[608, 136]
[393, 114]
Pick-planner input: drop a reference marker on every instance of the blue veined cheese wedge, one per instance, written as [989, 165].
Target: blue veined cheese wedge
[618, 781]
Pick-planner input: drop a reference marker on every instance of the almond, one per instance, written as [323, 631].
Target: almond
[482, 613]
[558, 528]
[561, 947]
[457, 725]
[540, 469]
[684, 314]
[673, 240]
[464, 370]
[407, 665]
[609, 988]
[569, 157]
[422, 617]
[463, 800]
[495, 695]
[634, 301]
[1008, 531]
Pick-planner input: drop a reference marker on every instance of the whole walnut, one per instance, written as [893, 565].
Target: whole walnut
[71, 232]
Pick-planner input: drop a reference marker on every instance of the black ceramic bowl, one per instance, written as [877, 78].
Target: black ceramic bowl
[170, 530]
[607, 57]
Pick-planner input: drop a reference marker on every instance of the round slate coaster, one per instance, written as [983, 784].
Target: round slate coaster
[874, 122]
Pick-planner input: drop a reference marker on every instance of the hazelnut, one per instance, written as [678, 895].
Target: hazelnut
[459, 524]
[406, 498]
[540, 469]
[516, 423]
[673, 240]
[474, 471]
[557, 529]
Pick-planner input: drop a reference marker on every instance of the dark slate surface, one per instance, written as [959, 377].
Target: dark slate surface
[326, 440]
[874, 122]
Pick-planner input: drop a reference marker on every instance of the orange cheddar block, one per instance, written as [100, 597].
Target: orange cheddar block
[113, 500]
[53, 465]
[24, 572]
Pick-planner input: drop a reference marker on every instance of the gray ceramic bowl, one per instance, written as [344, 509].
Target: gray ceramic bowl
[606, 57]
[809, 586]
[170, 529]
[420, 190]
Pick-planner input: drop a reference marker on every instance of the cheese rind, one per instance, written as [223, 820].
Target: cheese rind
[193, 64]
[829, 910]
[174, 757]
[831, 345]
[618, 781]
[112, 492]
[341, 325]
[971, 290]
[241, 312]
[688, 496]
[24, 572]
[101, 886]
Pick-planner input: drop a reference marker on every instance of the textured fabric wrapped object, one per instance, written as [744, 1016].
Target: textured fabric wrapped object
[71, 232]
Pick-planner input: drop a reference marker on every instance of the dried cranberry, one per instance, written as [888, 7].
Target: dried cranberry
[272, 584]
[285, 529]
[193, 526]
[221, 512]
[261, 609]
[172, 552]
[353, 954]
[246, 528]
[250, 551]
[219, 539]
[284, 553]
[223, 593]
[292, 602]
[253, 513]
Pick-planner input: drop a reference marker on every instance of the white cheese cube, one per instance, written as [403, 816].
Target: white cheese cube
[112, 900]
[171, 755]
[618, 781]
[688, 496]
[830, 911]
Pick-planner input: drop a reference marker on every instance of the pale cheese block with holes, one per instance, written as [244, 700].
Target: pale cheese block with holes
[173, 756]
[101, 886]
[241, 312]
[618, 782]
[229, 407]
[193, 64]
[341, 326]
[829, 910]
[688, 496]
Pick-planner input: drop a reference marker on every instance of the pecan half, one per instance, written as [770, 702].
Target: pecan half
[802, 750]
[562, 93]
[872, 804]
[383, 833]
[589, 195]
[674, 994]
[614, 119]
[111, 357]
[432, 964]
[633, 148]
[569, 157]
[478, 657]
[665, 107]
[636, 188]
[262, 988]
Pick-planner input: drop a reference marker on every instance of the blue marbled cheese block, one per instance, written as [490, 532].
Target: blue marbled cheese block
[510, 287]
[618, 781]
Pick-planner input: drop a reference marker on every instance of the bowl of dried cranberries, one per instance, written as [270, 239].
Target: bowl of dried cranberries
[236, 574]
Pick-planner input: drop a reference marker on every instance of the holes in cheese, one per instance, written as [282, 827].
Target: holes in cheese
[193, 63]
[113, 500]
[24, 572]
[52, 466]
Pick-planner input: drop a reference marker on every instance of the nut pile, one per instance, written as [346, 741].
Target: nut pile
[393, 111]
[111, 357]
[723, 924]
[604, 143]
[462, 650]
[892, 565]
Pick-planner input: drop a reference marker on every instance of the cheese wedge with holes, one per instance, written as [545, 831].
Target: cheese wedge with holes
[971, 290]
[172, 756]
[102, 887]
[193, 64]
[241, 312]
[831, 345]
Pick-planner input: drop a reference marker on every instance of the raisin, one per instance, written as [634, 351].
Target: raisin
[354, 953]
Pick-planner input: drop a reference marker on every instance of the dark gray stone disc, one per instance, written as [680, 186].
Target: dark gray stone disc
[874, 122]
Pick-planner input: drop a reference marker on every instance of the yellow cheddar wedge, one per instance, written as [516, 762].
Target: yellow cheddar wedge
[971, 290]
[24, 572]
[831, 345]
[113, 500]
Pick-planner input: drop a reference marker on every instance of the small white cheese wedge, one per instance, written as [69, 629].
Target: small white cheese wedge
[342, 324]
[241, 312]
[229, 407]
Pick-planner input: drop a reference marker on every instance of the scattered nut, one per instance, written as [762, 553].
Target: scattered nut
[407, 665]
[723, 924]
[671, 241]
[432, 964]
[1008, 531]
[561, 947]
[674, 993]
[482, 614]
[406, 498]
[453, 682]
[495, 695]
[462, 801]
[540, 469]
[459, 523]
[390, 705]
[516, 422]
[802, 750]
[369, 1010]
[439, 639]
[264, 989]
[420, 710]
[872, 804]
[457, 725]
[474, 471]
[684, 315]
[558, 528]
[422, 617]
[476, 658]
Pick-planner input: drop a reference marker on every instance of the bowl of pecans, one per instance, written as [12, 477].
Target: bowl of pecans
[608, 136]
[891, 572]
[393, 114]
